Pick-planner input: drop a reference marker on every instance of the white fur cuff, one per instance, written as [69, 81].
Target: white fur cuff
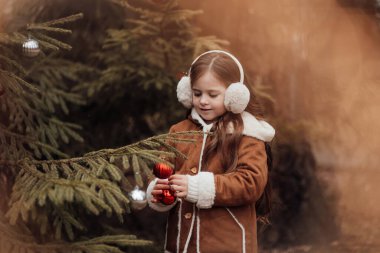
[156, 206]
[206, 190]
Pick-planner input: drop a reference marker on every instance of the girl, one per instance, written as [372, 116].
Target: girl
[226, 172]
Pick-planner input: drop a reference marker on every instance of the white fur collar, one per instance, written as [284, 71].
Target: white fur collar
[197, 117]
[253, 127]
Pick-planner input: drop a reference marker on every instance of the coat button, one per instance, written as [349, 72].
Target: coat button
[188, 215]
[194, 170]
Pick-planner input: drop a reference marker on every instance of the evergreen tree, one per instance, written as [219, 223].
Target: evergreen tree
[115, 40]
[140, 65]
[46, 205]
[49, 201]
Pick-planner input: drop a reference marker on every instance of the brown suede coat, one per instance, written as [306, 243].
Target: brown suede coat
[221, 227]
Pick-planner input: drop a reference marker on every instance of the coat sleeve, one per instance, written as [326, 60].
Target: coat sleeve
[245, 184]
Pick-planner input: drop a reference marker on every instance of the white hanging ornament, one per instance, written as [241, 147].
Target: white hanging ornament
[138, 199]
[31, 48]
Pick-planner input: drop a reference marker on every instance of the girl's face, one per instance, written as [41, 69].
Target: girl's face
[208, 97]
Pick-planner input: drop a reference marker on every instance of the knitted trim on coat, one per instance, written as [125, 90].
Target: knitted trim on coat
[201, 189]
[206, 190]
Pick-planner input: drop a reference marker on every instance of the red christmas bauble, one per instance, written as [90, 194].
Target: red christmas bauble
[162, 170]
[167, 197]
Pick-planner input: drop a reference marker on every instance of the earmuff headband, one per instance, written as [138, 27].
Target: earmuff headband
[236, 97]
[226, 53]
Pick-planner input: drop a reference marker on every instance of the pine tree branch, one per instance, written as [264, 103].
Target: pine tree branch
[13, 63]
[44, 185]
[65, 124]
[21, 107]
[92, 177]
[19, 239]
[56, 43]
[47, 26]
[20, 81]
[14, 38]
[124, 240]
[49, 29]
[8, 52]
[126, 5]
[27, 140]
[64, 20]
[125, 150]
[72, 97]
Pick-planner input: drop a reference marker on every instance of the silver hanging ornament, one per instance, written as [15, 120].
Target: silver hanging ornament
[31, 48]
[138, 199]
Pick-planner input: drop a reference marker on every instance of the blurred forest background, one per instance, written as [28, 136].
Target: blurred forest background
[315, 65]
[322, 59]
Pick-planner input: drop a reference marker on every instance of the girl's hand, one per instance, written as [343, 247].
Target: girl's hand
[178, 183]
[161, 184]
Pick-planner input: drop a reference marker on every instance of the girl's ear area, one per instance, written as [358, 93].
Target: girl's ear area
[184, 92]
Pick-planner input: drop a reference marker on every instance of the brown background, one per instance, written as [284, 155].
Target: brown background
[322, 59]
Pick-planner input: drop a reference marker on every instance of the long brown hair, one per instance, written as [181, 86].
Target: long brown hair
[226, 70]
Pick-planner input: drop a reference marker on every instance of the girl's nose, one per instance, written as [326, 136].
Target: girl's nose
[203, 100]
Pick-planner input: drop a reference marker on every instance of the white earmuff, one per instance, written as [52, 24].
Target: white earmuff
[184, 92]
[236, 96]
